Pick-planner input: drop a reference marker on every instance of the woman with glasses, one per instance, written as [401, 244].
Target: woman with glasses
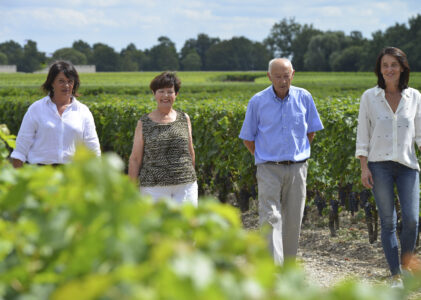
[55, 124]
[389, 125]
[162, 157]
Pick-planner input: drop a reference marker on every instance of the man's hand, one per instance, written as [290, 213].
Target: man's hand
[250, 146]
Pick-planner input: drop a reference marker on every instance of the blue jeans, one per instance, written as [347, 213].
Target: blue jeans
[386, 175]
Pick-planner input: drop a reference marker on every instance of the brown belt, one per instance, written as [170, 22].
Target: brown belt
[53, 165]
[286, 162]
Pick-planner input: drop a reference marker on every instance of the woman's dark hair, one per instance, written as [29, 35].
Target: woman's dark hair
[403, 61]
[165, 80]
[68, 70]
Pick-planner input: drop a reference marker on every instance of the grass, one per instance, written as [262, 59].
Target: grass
[201, 85]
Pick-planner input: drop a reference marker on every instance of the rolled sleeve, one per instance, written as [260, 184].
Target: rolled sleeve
[90, 136]
[17, 155]
[249, 128]
[363, 137]
[417, 120]
[25, 138]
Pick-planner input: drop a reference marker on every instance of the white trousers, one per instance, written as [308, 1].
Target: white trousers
[282, 194]
[180, 193]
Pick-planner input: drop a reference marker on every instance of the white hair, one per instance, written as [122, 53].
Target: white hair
[272, 61]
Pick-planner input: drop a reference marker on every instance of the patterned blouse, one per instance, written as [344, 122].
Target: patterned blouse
[383, 135]
[166, 156]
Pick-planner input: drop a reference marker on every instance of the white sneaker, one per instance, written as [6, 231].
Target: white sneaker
[396, 282]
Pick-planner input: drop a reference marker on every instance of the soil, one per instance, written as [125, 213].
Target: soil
[328, 260]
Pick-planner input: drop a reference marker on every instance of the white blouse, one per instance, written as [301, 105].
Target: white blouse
[383, 135]
[45, 137]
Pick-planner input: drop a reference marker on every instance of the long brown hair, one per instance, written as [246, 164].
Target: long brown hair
[403, 61]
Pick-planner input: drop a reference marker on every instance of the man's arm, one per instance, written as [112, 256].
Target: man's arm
[250, 146]
[310, 136]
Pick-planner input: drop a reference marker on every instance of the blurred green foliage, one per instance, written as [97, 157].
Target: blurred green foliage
[7, 142]
[83, 231]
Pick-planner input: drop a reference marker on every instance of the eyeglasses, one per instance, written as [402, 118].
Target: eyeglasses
[164, 92]
[64, 82]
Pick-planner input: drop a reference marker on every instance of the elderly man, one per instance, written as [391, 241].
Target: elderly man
[279, 126]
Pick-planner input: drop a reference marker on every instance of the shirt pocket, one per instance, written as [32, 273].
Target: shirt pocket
[299, 125]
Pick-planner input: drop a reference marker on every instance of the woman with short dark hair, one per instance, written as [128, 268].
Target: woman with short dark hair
[55, 124]
[162, 156]
[389, 124]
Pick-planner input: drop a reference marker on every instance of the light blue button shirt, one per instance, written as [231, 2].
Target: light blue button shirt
[279, 127]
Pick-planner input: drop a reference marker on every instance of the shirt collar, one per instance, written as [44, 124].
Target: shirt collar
[272, 91]
[379, 91]
[50, 101]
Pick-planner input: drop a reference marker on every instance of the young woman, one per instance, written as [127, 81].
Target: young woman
[389, 123]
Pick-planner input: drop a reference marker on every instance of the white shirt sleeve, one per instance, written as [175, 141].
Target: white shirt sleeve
[90, 136]
[26, 136]
[417, 119]
[363, 133]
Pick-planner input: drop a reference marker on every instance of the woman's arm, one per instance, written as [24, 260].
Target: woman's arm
[16, 163]
[135, 160]
[90, 136]
[191, 148]
[366, 177]
[25, 139]
[363, 128]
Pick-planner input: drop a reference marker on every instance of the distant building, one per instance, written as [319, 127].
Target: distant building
[8, 69]
[79, 69]
[85, 68]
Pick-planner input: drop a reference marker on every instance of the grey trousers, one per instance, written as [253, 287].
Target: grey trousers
[282, 193]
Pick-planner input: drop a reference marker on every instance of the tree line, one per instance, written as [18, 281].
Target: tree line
[310, 49]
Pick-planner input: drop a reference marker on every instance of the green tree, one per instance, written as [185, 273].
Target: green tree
[281, 37]
[349, 59]
[32, 59]
[222, 57]
[260, 56]
[300, 44]
[413, 46]
[191, 62]
[238, 53]
[356, 38]
[371, 51]
[290, 39]
[132, 59]
[105, 58]
[164, 55]
[320, 49]
[201, 45]
[396, 36]
[13, 51]
[70, 54]
[3, 59]
[84, 48]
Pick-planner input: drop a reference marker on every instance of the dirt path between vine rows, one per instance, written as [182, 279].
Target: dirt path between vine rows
[328, 260]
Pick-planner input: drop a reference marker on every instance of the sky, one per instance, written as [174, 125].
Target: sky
[117, 23]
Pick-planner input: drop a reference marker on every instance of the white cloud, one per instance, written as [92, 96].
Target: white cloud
[118, 22]
[196, 15]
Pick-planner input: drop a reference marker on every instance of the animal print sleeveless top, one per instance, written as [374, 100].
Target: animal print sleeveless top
[166, 156]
